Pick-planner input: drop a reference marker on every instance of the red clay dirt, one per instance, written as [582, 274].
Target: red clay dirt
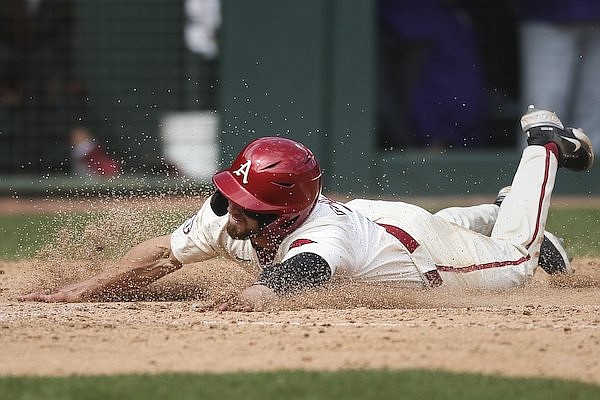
[551, 328]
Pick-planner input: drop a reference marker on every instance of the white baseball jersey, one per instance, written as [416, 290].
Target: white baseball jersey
[353, 246]
[394, 241]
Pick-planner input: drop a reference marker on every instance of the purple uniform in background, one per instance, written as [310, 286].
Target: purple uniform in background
[446, 100]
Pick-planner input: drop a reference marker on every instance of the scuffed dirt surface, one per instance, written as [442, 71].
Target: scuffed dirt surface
[549, 329]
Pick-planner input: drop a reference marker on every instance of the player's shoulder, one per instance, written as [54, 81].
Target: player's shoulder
[329, 222]
[207, 221]
[359, 203]
[366, 206]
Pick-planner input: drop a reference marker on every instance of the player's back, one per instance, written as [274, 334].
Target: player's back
[354, 246]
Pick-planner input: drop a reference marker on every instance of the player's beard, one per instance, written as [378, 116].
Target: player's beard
[240, 234]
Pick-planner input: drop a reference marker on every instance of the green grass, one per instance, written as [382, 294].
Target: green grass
[289, 385]
[22, 235]
[580, 227]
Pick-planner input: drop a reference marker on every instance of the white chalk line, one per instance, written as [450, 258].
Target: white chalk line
[7, 317]
[400, 324]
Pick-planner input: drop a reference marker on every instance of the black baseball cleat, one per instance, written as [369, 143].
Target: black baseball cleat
[554, 258]
[574, 147]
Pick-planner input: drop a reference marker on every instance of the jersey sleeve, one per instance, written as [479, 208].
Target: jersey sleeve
[196, 239]
[333, 245]
[304, 270]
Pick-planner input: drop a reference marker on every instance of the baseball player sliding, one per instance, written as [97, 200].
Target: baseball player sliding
[268, 210]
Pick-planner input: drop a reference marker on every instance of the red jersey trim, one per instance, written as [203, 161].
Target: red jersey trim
[541, 199]
[408, 241]
[477, 267]
[300, 242]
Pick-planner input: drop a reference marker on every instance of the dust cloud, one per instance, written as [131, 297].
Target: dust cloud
[92, 241]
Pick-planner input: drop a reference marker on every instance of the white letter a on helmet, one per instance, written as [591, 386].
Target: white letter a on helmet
[243, 170]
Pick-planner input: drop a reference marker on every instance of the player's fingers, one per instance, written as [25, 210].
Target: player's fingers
[247, 308]
[32, 297]
[243, 307]
[46, 298]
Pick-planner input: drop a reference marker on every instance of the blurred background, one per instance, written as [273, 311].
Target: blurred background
[395, 97]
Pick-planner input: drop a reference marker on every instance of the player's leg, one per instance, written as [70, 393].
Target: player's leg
[522, 216]
[480, 218]
[468, 259]
[509, 257]
[554, 257]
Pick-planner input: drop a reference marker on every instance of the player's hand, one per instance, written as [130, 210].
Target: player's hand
[241, 306]
[57, 297]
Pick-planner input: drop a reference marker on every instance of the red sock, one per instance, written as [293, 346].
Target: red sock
[551, 146]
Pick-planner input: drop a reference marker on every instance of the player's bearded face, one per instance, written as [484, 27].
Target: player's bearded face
[240, 226]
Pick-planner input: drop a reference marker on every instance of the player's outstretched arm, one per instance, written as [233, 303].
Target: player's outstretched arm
[142, 265]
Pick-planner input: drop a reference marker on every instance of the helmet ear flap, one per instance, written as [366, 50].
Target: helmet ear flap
[219, 203]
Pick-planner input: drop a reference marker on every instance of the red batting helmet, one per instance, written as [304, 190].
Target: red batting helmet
[271, 175]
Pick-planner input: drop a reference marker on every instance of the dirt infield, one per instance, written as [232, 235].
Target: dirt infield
[549, 329]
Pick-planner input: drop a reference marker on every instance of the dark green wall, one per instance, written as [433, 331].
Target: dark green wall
[301, 70]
